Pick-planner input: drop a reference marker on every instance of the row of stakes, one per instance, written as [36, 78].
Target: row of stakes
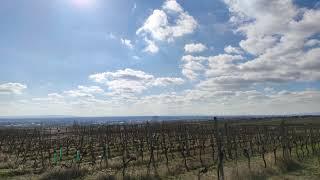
[55, 155]
[77, 157]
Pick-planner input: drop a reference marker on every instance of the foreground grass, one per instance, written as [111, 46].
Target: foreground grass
[308, 168]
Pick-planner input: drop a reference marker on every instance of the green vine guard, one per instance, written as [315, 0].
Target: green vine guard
[78, 156]
[60, 154]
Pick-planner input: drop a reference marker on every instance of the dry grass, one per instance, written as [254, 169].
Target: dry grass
[288, 165]
[255, 173]
[259, 172]
[138, 170]
[103, 176]
[61, 173]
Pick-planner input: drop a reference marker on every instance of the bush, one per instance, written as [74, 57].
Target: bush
[286, 165]
[105, 177]
[64, 174]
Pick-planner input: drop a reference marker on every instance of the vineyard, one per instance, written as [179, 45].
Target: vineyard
[158, 150]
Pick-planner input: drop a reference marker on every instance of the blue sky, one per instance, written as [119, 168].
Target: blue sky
[96, 57]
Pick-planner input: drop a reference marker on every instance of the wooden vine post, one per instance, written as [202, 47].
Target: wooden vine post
[284, 141]
[220, 150]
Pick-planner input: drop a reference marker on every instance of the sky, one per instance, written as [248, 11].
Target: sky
[169, 57]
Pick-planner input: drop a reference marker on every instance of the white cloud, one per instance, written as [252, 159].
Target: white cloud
[312, 42]
[267, 24]
[261, 22]
[84, 92]
[258, 45]
[276, 33]
[166, 24]
[126, 42]
[190, 73]
[111, 36]
[201, 101]
[268, 89]
[51, 98]
[194, 47]
[311, 62]
[185, 24]
[136, 57]
[193, 58]
[156, 25]
[223, 58]
[55, 95]
[191, 69]
[12, 88]
[166, 81]
[172, 5]
[218, 65]
[130, 81]
[78, 94]
[134, 7]
[151, 46]
[192, 66]
[232, 50]
[90, 89]
[195, 101]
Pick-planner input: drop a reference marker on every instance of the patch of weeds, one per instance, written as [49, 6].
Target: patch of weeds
[58, 173]
[106, 177]
[288, 165]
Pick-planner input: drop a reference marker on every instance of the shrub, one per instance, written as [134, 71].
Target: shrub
[61, 174]
[286, 165]
[105, 177]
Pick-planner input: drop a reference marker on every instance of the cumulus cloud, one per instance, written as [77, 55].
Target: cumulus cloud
[126, 42]
[192, 101]
[151, 46]
[130, 81]
[194, 47]
[166, 81]
[232, 102]
[192, 66]
[80, 97]
[167, 23]
[276, 33]
[193, 58]
[190, 69]
[272, 24]
[312, 42]
[51, 98]
[172, 5]
[218, 65]
[158, 26]
[232, 50]
[84, 92]
[261, 22]
[224, 58]
[12, 88]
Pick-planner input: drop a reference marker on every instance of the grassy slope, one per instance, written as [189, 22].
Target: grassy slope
[309, 168]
